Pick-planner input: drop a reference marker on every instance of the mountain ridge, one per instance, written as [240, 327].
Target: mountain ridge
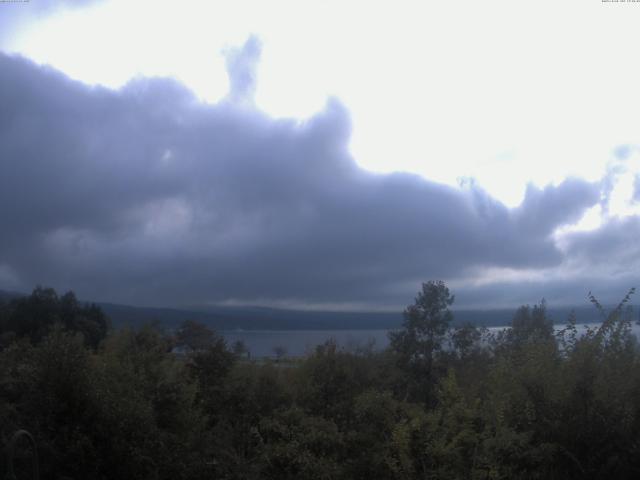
[266, 318]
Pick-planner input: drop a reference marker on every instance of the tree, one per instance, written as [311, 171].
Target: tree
[280, 352]
[89, 320]
[531, 325]
[240, 349]
[209, 367]
[425, 326]
[195, 336]
[35, 315]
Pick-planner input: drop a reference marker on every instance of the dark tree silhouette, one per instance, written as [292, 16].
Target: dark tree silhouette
[421, 339]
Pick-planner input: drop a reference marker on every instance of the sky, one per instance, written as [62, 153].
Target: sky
[322, 155]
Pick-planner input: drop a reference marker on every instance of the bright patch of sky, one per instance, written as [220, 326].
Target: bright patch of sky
[505, 92]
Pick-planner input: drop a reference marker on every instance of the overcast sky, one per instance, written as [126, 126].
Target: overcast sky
[317, 155]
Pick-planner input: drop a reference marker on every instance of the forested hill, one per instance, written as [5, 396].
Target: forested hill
[256, 318]
[278, 319]
[253, 318]
[6, 296]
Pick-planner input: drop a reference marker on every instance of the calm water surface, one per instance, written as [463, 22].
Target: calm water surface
[261, 343]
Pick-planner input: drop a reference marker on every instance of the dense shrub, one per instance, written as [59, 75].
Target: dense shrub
[440, 403]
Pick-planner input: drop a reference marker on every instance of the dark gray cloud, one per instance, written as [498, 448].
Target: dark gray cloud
[615, 246]
[544, 209]
[145, 195]
[557, 290]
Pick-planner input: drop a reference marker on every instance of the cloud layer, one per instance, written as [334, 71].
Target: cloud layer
[145, 195]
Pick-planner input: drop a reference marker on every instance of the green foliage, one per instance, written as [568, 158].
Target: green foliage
[297, 445]
[418, 346]
[331, 378]
[195, 336]
[440, 403]
[126, 411]
[425, 325]
[34, 316]
[531, 325]
[372, 437]
[450, 435]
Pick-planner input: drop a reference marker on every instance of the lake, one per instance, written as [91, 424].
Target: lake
[261, 343]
